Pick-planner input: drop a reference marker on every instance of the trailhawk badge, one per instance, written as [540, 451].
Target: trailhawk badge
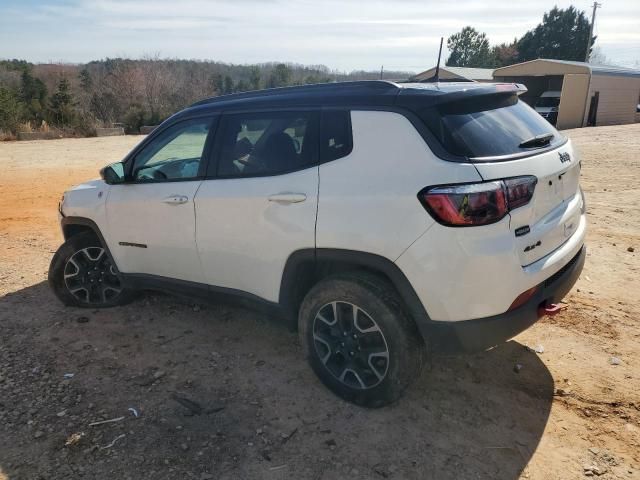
[564, 157]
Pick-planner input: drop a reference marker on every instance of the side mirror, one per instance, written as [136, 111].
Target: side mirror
[113, 174]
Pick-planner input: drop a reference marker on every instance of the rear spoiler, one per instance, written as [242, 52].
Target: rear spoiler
[415, 98]
[518, 88]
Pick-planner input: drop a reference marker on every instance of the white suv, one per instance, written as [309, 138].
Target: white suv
[384, 220]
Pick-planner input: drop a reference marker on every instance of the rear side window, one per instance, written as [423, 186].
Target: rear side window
[336, 137]
[271, 143]
[491, 126]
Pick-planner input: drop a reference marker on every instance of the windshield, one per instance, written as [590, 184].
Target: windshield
[488, 127]
[548, 102]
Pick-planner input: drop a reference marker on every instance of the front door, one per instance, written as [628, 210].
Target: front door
[151, 218]
[261, 205]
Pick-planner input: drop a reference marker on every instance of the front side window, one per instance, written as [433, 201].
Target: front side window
[175, 154]
[254, 144]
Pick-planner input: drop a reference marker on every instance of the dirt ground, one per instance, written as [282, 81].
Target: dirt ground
[222, 391]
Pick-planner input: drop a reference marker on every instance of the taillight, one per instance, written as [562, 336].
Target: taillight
[477, 203]
[520, 190]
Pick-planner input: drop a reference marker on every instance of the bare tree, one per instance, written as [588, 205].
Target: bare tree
[597, 57]
[158, 85]
[148, 90]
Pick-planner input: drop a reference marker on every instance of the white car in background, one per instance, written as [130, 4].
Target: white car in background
[386, 221]
[548, 104]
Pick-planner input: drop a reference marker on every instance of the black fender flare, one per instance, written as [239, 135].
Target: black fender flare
[91, 225]
[302, 267]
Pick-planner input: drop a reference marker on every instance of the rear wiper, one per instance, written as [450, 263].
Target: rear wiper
[541, 140]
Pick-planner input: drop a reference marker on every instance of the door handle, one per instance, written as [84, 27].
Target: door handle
[287, 197]
[175, 199]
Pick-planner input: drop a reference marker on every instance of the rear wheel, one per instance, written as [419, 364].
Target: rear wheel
[358, 339]
[82, 274]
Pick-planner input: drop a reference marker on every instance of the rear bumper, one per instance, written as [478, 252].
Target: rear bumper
[483, 333]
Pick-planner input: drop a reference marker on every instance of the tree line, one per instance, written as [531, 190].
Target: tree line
[561, 35]
[76, 99]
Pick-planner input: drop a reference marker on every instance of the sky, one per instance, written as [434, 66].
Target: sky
[342, 34]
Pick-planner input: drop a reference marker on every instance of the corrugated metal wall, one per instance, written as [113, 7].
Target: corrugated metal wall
[573, 100]
[618, 99]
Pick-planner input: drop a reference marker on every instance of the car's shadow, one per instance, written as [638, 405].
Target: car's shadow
[224, 391]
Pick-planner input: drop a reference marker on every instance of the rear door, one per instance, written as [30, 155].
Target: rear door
[505, 138]
[259, 203]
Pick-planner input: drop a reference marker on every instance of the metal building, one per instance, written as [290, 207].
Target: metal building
[456, 74]
[589, 94]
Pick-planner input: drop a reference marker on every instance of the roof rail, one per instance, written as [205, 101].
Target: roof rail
[322, 88]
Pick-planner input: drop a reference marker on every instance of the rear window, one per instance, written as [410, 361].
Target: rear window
[336, 139]
[267, 143]
[490, 126]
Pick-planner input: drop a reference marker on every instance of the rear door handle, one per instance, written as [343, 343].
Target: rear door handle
[287, 197]
[175, 199]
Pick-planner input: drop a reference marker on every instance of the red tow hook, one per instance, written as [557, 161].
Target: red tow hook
[550, 309]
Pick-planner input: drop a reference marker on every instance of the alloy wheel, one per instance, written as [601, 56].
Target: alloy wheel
[90, 276]
[351, 345]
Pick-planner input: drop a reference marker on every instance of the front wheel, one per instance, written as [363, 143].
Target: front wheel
[358, 339]
[82, 274]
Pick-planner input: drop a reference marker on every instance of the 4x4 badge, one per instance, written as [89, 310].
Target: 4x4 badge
[564, 157]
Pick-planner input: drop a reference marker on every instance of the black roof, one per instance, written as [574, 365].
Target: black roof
[370, 93]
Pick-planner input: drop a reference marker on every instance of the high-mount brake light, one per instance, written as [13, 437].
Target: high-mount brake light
[477, 203]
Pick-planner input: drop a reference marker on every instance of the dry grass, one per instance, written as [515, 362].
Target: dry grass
[6, 136]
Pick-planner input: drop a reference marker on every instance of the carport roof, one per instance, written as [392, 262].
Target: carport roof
[544, 66]
[466, 73]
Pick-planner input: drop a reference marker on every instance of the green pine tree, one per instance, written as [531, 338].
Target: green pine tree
[86, 82]
[562, 35]
[61, 109]
[33, 95]
[254, 78]
[11, 110]
[280, 76]
[229, 87]
[469, 48]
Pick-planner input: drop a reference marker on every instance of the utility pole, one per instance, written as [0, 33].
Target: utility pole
[593, 21]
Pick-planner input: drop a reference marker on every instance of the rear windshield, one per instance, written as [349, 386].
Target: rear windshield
[490, 126]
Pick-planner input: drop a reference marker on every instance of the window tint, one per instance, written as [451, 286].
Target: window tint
[174, 154]
[487, 127]
[337, 139]
[267, 143]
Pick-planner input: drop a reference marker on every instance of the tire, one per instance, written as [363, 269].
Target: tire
[357, 369]
[82, 274]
